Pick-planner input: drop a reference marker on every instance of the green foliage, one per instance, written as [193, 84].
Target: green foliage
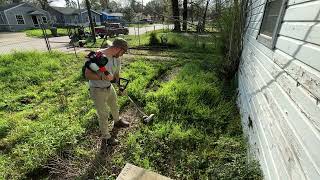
[196, 133]
[39, 34]
[153, 40]
[46, 109]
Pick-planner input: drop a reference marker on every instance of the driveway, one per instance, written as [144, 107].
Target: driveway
[18, 41]
[10, 42]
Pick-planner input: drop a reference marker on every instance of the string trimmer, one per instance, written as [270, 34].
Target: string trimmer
[122, 87]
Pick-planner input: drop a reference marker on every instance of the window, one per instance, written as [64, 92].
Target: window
[271, 22]
[20, 19]
[44, 20]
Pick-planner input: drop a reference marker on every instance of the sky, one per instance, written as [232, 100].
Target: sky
[62, 3]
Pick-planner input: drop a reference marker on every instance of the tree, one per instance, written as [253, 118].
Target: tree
[104, 4]
[204, 16]
[155, 8]
[71, 3]
[94, 4]
[114, 6]
[128, 14]
[185, 15]
[175, 13]
[44, 4]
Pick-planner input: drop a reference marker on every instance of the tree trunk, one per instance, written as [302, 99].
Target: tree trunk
[205, 16]
[175, 12]
[90, 19]
[185, 15]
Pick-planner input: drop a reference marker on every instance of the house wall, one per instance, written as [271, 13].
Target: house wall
[23, 10]
[3, 22]
[279, 92]
[57, 17]
[94, 15]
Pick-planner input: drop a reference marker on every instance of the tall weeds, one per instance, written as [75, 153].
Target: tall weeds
[231, 25]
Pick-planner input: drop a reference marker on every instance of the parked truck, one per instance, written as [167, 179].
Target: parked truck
[111, 30]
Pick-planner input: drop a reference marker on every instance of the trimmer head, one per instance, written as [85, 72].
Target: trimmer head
[147, 119]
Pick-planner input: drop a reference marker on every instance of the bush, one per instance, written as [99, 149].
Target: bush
[153, 40]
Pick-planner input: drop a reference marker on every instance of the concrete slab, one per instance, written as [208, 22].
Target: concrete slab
[132, 172]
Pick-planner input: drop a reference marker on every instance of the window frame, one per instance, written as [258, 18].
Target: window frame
[43, 20]
[24, 22]
[270, 41]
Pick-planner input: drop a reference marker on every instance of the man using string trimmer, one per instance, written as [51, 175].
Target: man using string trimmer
[101, 71]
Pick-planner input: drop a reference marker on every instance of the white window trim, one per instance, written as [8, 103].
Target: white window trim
[24, 22]
[270, 41]
[3, 19]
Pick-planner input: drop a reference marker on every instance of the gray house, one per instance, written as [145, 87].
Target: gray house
[66, 16]
[279, 87]
[20, 16]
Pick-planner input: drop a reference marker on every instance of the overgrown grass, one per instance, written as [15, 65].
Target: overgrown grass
[180, 42]
[39, 34]
[196, 133]
[47, 110]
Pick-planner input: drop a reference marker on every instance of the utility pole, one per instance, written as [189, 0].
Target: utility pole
[90, 19]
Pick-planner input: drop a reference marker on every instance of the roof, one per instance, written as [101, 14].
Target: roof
[71, 11]
[112, 14]
[36, 13]
[84, 10]
[66, 10]
[8, 6]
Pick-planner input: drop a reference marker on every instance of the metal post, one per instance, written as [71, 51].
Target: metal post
[139, 32]
[45, 36]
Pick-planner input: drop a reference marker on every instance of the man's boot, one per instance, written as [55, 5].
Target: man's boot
[121, 123]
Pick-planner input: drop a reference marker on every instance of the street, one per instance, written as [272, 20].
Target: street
[18, 41]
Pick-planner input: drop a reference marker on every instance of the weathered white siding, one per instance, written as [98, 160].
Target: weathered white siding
[279, 92]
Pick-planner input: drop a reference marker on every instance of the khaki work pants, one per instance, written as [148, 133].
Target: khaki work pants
[104, 98]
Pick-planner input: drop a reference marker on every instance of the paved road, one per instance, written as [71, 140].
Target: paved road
[10, 42]
[151, 27]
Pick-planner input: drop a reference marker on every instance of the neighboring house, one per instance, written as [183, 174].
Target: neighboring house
[279, 87]
[66, 16]
[21, 16]
[96, 17]
[111, 17]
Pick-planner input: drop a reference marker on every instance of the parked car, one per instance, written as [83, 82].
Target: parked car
[111, 29]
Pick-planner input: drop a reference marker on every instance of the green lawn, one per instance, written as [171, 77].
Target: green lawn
[47, 114]
[39, 34]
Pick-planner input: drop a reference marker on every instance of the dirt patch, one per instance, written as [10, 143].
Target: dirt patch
[169, 75]
[67, 165]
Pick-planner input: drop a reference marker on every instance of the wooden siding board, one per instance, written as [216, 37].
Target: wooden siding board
[302, 73]
[265, 125]
[299, 95]
[304, 31]
[287, 132]
[299, 124]
[258, 144]
[298, 12]
[293, 2]
[280, 89]
[303, 51]
[288, 158]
